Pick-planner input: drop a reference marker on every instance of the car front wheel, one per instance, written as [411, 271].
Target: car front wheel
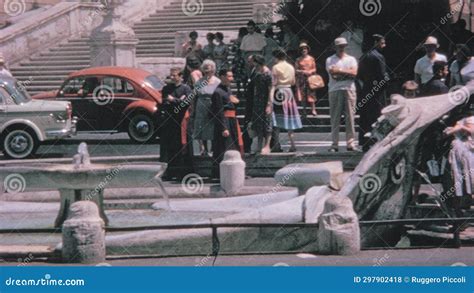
[19, 144]
[141, 128]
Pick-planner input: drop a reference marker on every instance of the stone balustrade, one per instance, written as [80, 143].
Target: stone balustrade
[63, 21]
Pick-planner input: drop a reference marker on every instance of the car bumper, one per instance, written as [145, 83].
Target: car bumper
[70, 130]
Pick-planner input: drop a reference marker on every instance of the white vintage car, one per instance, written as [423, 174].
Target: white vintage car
[25, 123]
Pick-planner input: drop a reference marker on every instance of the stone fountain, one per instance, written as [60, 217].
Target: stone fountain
[84, 180]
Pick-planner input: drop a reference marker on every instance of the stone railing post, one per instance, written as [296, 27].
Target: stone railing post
[113, 43]
[232, 173]
[83, 234]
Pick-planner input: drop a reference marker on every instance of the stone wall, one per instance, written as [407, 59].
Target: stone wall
[12, 8]
[160, 66]
[65, 20]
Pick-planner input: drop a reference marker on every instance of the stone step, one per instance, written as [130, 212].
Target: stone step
[207, 12]
[218, 16]
[20, 71]
[156, 47]
[164, 27]
[72, 50]
[64, 59]
[147, 54]
[164, 39]
[36, 78]
[82, 53]
[53, 83]
[67, 68]
[213, 5]
[82, 46]
[179, 11]
[56, 62]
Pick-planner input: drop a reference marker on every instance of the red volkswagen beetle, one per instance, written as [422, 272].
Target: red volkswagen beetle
[115, 99]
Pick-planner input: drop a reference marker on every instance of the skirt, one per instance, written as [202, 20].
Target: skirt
[285, 110]
[461, 158]
[203, 123]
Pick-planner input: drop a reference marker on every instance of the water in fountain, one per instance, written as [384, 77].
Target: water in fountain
[166, 196]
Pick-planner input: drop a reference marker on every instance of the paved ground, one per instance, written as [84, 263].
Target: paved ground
[120, 145]
[413, 257]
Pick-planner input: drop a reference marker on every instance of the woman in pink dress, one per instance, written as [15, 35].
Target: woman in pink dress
[305, 67]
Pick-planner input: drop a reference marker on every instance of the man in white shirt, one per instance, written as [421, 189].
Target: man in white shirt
[424, 65]
[3, 69]
[342, 70]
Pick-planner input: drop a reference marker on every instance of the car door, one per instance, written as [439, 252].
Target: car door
[118, 94]
[79, 91]
[4, 97]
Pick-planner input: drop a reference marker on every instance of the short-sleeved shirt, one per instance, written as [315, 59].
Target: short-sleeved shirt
[345, 63]
[5, 72]
[424, 66]
[283, 74]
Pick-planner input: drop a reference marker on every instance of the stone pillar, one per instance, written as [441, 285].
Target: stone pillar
[339, 232]
[232, 173]
[83, 234]
[113, 43]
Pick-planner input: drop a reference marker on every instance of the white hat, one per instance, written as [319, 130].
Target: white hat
[431, 41]
[340, 42]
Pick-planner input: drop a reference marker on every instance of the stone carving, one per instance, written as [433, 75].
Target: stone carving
[388, 168]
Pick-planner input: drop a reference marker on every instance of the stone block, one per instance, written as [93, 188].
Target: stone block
[305, 176]
[314, 202]
[339, 232]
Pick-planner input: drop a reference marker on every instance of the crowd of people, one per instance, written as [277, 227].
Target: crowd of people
[275, 73]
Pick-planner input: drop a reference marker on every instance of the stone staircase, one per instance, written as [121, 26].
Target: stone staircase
[47, 70]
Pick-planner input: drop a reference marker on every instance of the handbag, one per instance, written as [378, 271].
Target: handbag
[315, 82]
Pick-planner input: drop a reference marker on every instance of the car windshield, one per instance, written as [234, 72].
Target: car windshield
[154, 82]
[18, 93]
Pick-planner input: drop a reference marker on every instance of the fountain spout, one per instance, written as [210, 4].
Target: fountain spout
[82, 158]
